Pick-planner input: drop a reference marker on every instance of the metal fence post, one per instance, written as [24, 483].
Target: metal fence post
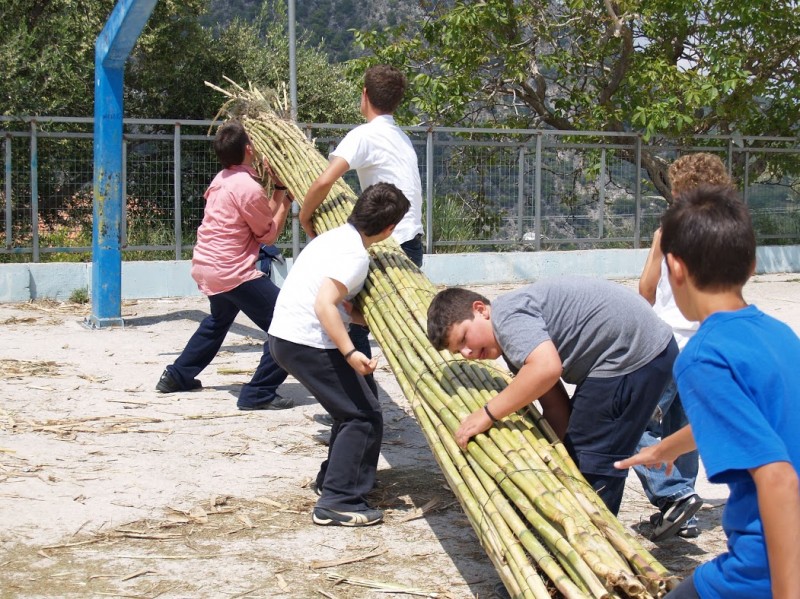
[637, 218]
[112, 49]
[746, 182]
[521, 194]
[176, 187]
[8, 191]
[602, 194]
[429, 192]
[537, 201]
[34, 192]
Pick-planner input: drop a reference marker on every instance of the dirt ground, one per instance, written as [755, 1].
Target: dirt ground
[109, 489]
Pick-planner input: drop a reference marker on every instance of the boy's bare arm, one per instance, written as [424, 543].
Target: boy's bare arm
[665, 452]
[555, 408]
[779, 504]
[319, 190]
[540, 373]
[280, 204]
[332, 293]
[651, 273]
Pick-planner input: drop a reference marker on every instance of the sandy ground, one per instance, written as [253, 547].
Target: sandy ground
[108, 488]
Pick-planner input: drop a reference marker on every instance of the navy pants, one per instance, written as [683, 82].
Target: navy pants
[608, 418]
[256, 299]
[348, 474]
[359, 334]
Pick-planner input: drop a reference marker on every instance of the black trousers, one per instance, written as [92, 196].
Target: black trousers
[256, 298]
[608, 418]
[348, 474]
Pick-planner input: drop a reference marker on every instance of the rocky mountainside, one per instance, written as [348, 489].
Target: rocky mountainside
[326, 22]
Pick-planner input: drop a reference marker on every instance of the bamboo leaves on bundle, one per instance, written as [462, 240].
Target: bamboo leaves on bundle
[541, 524]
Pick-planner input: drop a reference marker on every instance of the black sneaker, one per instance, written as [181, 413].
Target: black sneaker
[672, 518]
[168, 384]
[690, 530]
[279, 403]
[326, 517]
[324, 419]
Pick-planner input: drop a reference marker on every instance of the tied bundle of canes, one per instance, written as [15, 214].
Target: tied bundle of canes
[543, 527]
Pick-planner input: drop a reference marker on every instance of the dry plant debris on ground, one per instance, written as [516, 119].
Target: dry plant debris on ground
[109, 489]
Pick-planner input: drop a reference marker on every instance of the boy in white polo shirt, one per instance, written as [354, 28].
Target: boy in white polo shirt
[309, 339]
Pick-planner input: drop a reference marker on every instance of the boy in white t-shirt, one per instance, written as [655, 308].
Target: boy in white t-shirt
[309, 339]
[380, 152]
[674, 494]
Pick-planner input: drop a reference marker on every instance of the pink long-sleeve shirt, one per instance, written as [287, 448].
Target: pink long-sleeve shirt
[237, 219]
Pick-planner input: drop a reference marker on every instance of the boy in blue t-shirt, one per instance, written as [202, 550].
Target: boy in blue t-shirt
[739, 380]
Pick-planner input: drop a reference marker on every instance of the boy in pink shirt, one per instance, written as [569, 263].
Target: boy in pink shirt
[238, 218]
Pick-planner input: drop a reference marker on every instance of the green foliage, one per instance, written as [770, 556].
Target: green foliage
[47, 49]
[664, 68]
[449, 224]
[80, 296]
[577, 65]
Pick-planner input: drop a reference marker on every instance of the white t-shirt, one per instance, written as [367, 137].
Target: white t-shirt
[381, 152]
[338, 254]
[668, 311]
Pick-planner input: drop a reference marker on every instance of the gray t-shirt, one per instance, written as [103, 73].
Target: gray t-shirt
[600, 328]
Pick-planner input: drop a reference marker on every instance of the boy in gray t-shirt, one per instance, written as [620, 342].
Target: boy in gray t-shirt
[594, 334]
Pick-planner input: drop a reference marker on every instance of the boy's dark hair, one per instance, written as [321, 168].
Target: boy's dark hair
[448, 307]
[710, 229]
[229, 143]
[385, 87]
[378, 207]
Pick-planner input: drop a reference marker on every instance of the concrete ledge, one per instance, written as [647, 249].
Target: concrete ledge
[141, 280]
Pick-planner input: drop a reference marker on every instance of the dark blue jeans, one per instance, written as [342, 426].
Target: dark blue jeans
[359, 334]
[256, 299]
[608, 418]
[348, 474]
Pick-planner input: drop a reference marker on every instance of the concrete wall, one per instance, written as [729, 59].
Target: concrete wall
[24, 282]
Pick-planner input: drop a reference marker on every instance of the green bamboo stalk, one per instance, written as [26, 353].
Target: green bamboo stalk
[516, 483]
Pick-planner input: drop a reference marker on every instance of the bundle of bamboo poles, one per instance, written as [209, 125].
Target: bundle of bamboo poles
[543, 527]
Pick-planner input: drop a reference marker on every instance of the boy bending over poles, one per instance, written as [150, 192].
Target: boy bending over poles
[308, 338]
[592, 333]
[739, 381]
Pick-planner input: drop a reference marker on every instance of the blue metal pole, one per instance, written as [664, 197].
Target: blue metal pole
[112, 48]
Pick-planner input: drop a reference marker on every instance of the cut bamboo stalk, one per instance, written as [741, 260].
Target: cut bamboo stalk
[540, 523]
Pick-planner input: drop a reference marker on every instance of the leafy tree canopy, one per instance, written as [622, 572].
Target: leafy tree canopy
[671, 68]
[47, 48]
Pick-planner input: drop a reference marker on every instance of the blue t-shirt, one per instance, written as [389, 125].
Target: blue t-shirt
[739, 381]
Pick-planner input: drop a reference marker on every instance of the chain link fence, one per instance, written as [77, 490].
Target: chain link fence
[484, 190]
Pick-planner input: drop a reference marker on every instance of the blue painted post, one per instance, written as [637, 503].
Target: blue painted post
[112, 48]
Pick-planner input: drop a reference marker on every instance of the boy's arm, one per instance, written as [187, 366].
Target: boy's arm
[663, 453]
[332, 293]
[779, 504]
[648, 281]
[319, 190]
[536, 379]
[280, 204]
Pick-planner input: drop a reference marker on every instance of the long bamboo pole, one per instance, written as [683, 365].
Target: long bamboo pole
[541, 524]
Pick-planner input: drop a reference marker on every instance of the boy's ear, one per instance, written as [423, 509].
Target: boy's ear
[677, 269]
[481, 308]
